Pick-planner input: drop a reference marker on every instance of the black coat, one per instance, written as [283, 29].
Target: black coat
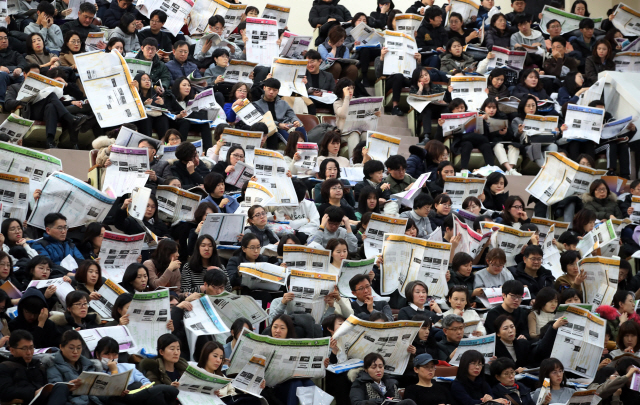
[48, 335]
[321, 11]
[522, 397]
[522, 347]
[82, 31]
[430, 38]
[378, 19]
[12, 59]
[365, 391]
[113, 15]
[131, 227]
[19, 380]
[235, 278]
[179, 170]
[544, 279]
[494, 202]
[165, 40]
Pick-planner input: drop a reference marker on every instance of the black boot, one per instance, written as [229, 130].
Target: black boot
[76, 122]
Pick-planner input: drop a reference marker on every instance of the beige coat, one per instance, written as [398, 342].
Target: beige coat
[167, 279]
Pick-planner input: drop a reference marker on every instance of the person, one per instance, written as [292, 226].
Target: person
[324, 11]
[457, 30]
[371, 385]
[235, 154]
[303, 218]
[22, 376]
[585, 41]
[126, 29]
[459, 301]
[238, 93]
[542, 310]
[512, 292]
[205, 49]
[332, 192]
[216, 71]
[363, 305]
[50, 32]
[179, 66]
[625, 368]
[519, 7]
[574, 276]
[164, 266]
[257, 225]
[426, 391]
[344, 91]
[531, 272]
[13, 241]
[33, 317]
[119, 310]
[526, 36]
[73, 44]
[498, 33]
[149, 96]
[506, 150]
[496, 89]
[602, 201]
[417, 294]
[54, 243]
[168, 367]
[570, 296]
[621, 310]
[432, 36]
[76, 315]
[115, 43]
[529, 105]
[333, 47]
[135, 278]
[83, 25]
[560, 64]
[107, 351]
[600, 60]
[204, 258]
[470, 386]
[283, 116]
[493, 275]
[553, 369]
[92, 240]
[453, 329]
[7, 276]
[157, 19]
[88, 279]
[627, 341]
[421, 85]
[503, 370]
[235, 331]
[511, 346]
[116, 10]
[319, 80]
[513, 213]
[188, 167]
[465, 143]
[398, 179]
[461, 273]
[530, 84]
[330, 228]
[572, 89]
[130, 226]
[249, 252]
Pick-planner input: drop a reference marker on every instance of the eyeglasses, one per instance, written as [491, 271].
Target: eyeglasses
[151, 206]
[243, 90]
[75, 42]
[446, 205]
[253, 247]
[15, 229]
[518, 207]
[476, 364]
[81, 305]
[557, 372]
[260, 215]
[456, 329]
[535, 259]
[364, 288]
[508, 373]
[45, 270]
[156, 22]
[235, 155]
[26, 348]
[61, 228]
[4, 38]
[430, 367]
[75, 349]
[336, 188]
[514, 297]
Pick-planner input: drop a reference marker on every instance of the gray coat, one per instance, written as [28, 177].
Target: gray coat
[214, 71]
[131, 42]
[422, 223]
[284, 113]
[58, 370]
[52, 35]
[325, 81]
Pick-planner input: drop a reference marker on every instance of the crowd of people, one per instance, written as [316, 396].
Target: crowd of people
[330, 212]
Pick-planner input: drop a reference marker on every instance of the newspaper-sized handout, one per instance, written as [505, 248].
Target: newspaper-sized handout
[74, 199]
[459, 123]
[408, 23]
[627, 62]
[293, 46]
[291, 73]
[238, 71]
[205, 101]
[118, 251]
[594, 93]
[14, 196]
[471, 89]
[261, 46]
[362, 115]
[299, 257]
[484, 344]
[627, 20]
[472, 242]
[203, 9]
[127, 169]
[357, 338]
[168, 152]
[102, 384]
[74, 6]
[37, 87]
[601, 283]
[247, 112]
[400, 253]
[62, 287]
[175, 204]
[308, 152]
[568, 22]
[241, 174]
[589, 397]
[620, 224]
[379, 225]
[381, 146]
[255, 194]
[21, 161]
[507, 58]
[492, 296]
[197, 387]
[420, 102]
[120, 333]
[588, 244]
[469, 217]
[231, 307]
[128, 138]
[400, 58]
[583, 122]
[271, 172]
[94, 39]
[551, 254]
[263, 276]
[544, 225]
[176, 10]
[204, 319]
[348, 270]
[248, 140]
[223, 227]
[15, 127]
[539, 125]
[509, 239]
[459, 188]
[432, 270]
[310, 288]
[285, 358]
[635, 204]
[108, 85]
[406, 197]
[251, 376]
[466, 8]
[139, 201]
[561, 177]
[137, 66]
[614, 129]
[579, 343]
[366, 35]
[109, 292]
[278, 13]
[149, 314]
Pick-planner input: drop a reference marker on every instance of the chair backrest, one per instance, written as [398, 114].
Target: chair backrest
[93, 155]
[329, 119]
[308, 121]
[450, 371]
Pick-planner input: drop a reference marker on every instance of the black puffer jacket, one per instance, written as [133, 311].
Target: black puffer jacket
[19, 380]
[378, 19]
[321, 11]
[544, 279]
[364, 391]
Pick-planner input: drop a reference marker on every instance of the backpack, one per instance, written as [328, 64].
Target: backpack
[317, 133]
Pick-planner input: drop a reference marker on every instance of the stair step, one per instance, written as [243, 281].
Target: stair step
[395, 131]
[389, 120]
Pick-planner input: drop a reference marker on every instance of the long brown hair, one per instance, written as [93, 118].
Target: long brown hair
[292, 143]
[207, 349]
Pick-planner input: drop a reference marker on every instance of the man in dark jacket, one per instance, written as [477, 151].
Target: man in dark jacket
[159, 71]
[154, 30]
[12, 65]
[363, 305]
[432, 36]
[324, 11]
[380, 17]
[453, 328]
[83, 24]
[318, 79]
[584, 43]
[117, 9]
[188, 168]
[559, 64]
[33, 317]
[512, 292]
[531, 273]
[283, 115]
[180, 65]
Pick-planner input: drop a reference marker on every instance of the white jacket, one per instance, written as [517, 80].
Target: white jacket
[304, 217]
[30, 251]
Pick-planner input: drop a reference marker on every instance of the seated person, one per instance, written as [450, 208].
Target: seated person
[526, 36]
[188, 168]
[459, 300]
[531, 272]
[180, 65]
[494, 275]
[216, 71]
[332, 192]
[371, 384]
[160, 76]
[554, 29]
[420, 214]
[421, 85]
[427, 391]
[131, 226]
[83, 25]
[432, 36]
[573, 277]
[498, 33]
[585, 41]
[334, 47]
[453, 328]
[470, 386]
[319, 80]
[44, 25]
[529, 83]
[303, 218]
[504, 371]
[126, 30]
[512, 292]
[363, 305]
[76, 315]
[560, 64]
[417, 294]
[54, 243]
[599, 61]
[33, 317]
[257, 225]
[553, 369]
[214, 185]
[117, 9]
[398, 180]
[330, 228]
[168, 367]
[204, 49]
[157, 19]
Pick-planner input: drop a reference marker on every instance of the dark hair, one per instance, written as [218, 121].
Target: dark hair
[292, 143]
[417, 72]
[252, 210]
[70, 336]
[621, 296]
[237, 326]
[46, 8]
[75, 296]
[468, 357]
[329, 323]
[544, 296]
[283, 239]
[161, 257]
[175, 89]
[450, 44]
[568, 293]
[342, 83]
[325, 190]
[250, 9]
[595, 185]
[456, 15]
[569, 238]
[211, 182]
[371, 358]
[532, 250]
[20, 334]
[457, 102]
[421, 200]
[586, 23]
[93, 230]
[495, 19]
[130, 274]
[299, 188]
[328, 138]
[460, 259]
[520, 19]
[551, 22]
[501, 364]
[336, 33]
[233, 149]
[30, 50]
[568, 257]
[408, 291]
[315, 55]
[357, 279]
[559, 39]
[171, 131]
[513, 287]
[195, 261]
[178, 44]
[207, 349]
[586, 10]
[396, 162]
[107, 345]
[50, 219]
[610, 38]
[627, 328]
[201, 212]
[526, 73]
[323, 168]
[216, 278]
[509, 220]
[467, 202]
[235, 88]
[570, 83]
[185, 151]
[521, 113]
[83, 269]
[4, 229]
[335, 214]
[4, 297]
[624, 364]
[365, 193]
[291, 330]
[439, 169]
[376, 316]
[38, 260]
[488, 102]
[87, 8]
[123, 24]
[581, 219]
[65, 40]
[121, 301]
[215, 19]
[218, 52]
[33, 304]
[435, 149]
[260, 127]
[497, 324]
[442, 199]
[462, 289]
[162, 16]
[165, 340]
[432, 12]
[356, 152]
[547, 367]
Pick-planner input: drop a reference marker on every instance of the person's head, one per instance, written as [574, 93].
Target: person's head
[212, 357]
[552, 369]
[422, 204]
[238, 326]
[442, 204]
[374, 366]
[584, 221]
[453, 328]
[71, 346]
[21, 344]
[580, 8]
[624, 270]
[331, 323]
[4, 38]
[135, 278]
[624, 301]
[181, 88]
[374, 170]
[271, 89]
[445, 169]
[471, 365]
[107, 350]
[216, 24]
[360, 287]
[121, 306]
[56, 226]
[411, 229]
[287, 239]
[12, 230]
[221, 57]
[503, 369]
[496, 183]
[512, 292]
[462, 263]
[490, 107]
[204, 252]
[330, 144]
[628, 336]
[532, 257]
[149, 47]
[634, 189]
[625, 364]
[86, 13]
[433, 15]
[257, 216]
[235, 154]
[168, 348]
[250, 245]
[336, 36]
[377, 316]
[570, 296]
[457, 105]
[46, 9]
[165, 253]
[396, 166]
[587, 27]
[518, 5]
[282, 327]
[417, 293]
[240, 91]
[513, 208]
[455, 21]
[459, 297]
[455, 47]
[425, 329]
[558, 47]
[499, 23]
[573, 82]
[39, 267]
[35, 42]
[586, 160]
[422, 76]
[172, 181]
[157, 20]
[181, 51]
[496, 78]
[332, 189]
[314, 60]
[89, 273]
[214, 184]
[546, 300]
[77, 303]
[599, 189]
[252, 11]
[505, 327]
[554, 28]
[342, 84]
[115, 43]
[496, 259]
[530, 79]
[568, 240]
[523, 22]
[127, 24]
[357, 19]
[171, 138]
[368, 200]
[6, 270]
[204, 209]
[569, 262]
[335, 217]
[437, 151]
[215, 280]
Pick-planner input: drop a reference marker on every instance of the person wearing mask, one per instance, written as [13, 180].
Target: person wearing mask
[283, 115]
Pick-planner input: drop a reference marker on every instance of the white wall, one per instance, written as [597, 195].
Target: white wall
[299, 24]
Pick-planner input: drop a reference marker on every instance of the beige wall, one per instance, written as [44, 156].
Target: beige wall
[299, 24]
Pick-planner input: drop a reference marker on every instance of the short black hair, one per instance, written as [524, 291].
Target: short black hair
[178, 44]
[87, 8]
[371, 167]
[149, 41]
[185, 151]
[47, 8]
[300, 188]
[335, 214]
[260, 126]
[513, 1]
[624, 264]
[587, 23]
[498, 366]
[51, 219]
[313, 54]
[215, 277]
[459, 259]
[521, 19]
[551, 22]
[448, 221]
[513, 287]
[219, 52]
[622, 365]
[357, 279]
[568, 257]
[569, 238]
[18, 335]
[162, 16]
[532, 250]
[432, 12]
[214, 19]
[423, 199]
[559, 39]
[634, 183]
[396, 162]
[107, 345]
